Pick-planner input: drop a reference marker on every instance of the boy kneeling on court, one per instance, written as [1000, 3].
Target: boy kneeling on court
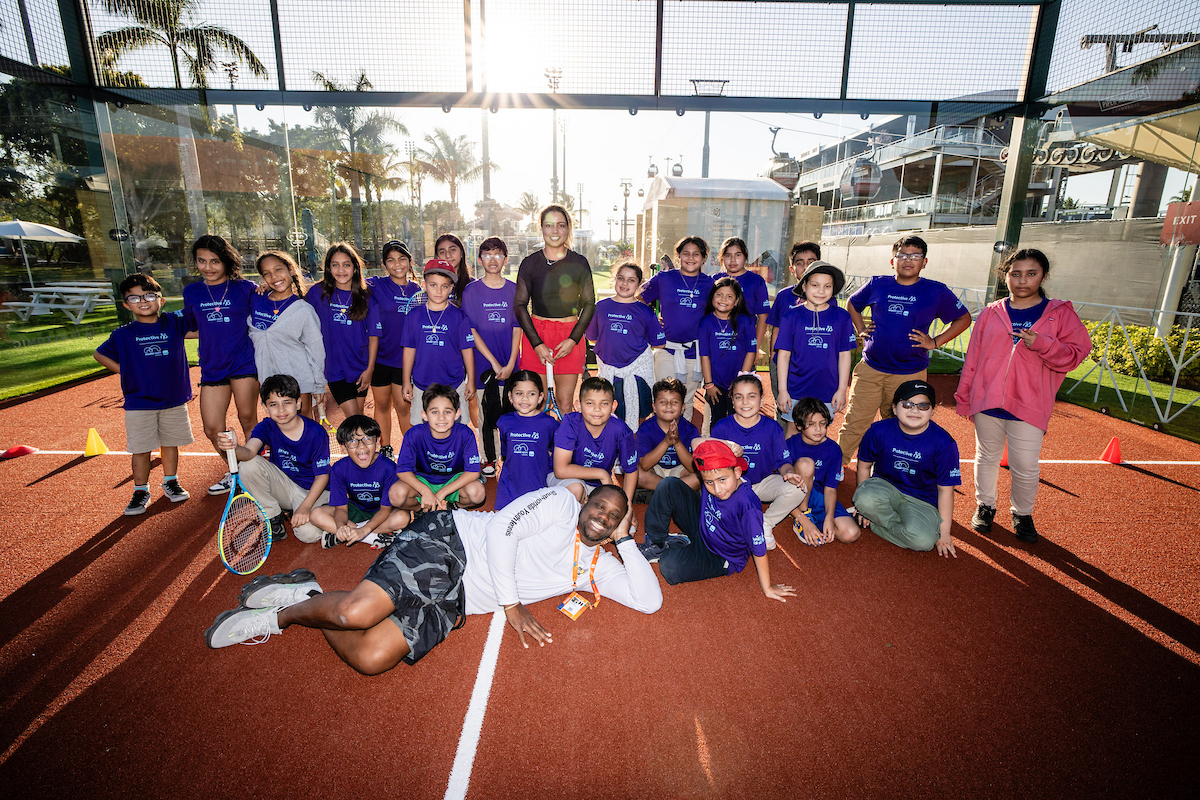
[910, 498]
[664, 441]
[722, 525]
[296, 476]
[438, 462]
[359, 507]
[149, 356]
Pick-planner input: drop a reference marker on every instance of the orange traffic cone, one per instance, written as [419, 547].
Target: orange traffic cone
[1112, 453]
[1004, 457]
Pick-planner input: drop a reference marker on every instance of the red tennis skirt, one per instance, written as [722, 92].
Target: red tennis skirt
[553, 331]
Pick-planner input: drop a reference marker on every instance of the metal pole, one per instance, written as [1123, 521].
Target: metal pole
[704, 161]
[554, 156]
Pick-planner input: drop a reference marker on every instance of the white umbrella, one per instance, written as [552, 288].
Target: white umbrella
[17, 229]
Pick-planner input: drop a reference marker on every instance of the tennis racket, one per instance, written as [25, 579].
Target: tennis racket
[244, 537]
[551, 400]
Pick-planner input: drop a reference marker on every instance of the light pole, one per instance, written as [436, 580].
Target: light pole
[414, 188]
[625, 184]
[610, 222]
[231, 69]
[578, 201]
[553, 76]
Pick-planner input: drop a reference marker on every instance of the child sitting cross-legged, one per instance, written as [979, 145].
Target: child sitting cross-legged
[818, 459]
[296, 476]
[359, 507]
[526, 439]
[438, 462]
[664, 441]
[590, 442]
[722, 524]
[770, 472]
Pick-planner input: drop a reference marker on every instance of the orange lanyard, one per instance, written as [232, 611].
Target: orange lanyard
[575, 571]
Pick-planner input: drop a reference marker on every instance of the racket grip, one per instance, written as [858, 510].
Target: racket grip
[231, 456]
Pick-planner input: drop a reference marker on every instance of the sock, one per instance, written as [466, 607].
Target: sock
[170, 478]
[145, 487]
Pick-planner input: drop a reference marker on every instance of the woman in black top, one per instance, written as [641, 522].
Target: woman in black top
[558, 283]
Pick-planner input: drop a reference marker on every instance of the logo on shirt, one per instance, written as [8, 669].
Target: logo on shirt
[617, 327]
[216, 315]
[956, 473]
[896, 308]
[286, 464]
[495, 316]
[817, 342]
[592, 457]
[900, 465]
[433, 338]
[340, 318]
[521, 450]
[440, 462]
[153, 350]
[366, 497]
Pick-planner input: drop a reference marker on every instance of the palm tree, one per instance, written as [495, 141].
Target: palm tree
[529, 205]
[451, 161]
[355, 132]
[167, 23]
[382, 169]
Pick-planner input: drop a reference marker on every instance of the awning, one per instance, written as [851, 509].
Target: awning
[716, 189]
[1167, 138]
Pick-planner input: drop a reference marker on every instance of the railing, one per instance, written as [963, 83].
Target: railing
[1184, 326]
[908, 206]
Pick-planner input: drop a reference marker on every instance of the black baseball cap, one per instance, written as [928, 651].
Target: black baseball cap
[910, 389]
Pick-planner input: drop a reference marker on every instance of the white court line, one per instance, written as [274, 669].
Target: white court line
[963, 460]
[468, 741]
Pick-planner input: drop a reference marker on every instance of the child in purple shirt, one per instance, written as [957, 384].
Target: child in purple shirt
[349, 325]
[218, 310]
[590, 442]
[438, 462]
[626, 332]
[393, 294]
[818, 459]
[664, 441]
[722, 524]
[149, 355]
[727, 344]
[733, 256]
[526, 439]
[438, 343]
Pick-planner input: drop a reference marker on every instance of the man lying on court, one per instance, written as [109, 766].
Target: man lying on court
[450, 563]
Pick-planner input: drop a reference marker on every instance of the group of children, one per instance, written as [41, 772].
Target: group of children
[461, 336]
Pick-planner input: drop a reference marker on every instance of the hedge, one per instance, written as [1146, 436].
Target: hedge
[1150, 351]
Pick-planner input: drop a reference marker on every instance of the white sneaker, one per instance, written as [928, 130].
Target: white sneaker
[770, 537]
[222, 486]
[243, 626]
[279, 591]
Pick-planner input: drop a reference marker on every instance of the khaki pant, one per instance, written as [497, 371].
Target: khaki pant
[1024, 448]
[664, 367]
[275, 491]
[414, 413]
[870, 391]
[782, 496]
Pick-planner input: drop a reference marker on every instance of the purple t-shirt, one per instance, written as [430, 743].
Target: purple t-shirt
[264, 311]
[826, 458]
[527, 447]
[365, 489]
[346, 340]
[219, 314]
[897, 311]
[490, 312]
[681, 303]
[650, 434]
[302, 460]
[438, 460]
[785, 301]
[916, 465]
[815, 339]
[154, 366]
[763, 445]
[622, 331]
[438, 339]
[754, 288]
[733, 528]
[614, 445]
[725, 349]
[393, 301]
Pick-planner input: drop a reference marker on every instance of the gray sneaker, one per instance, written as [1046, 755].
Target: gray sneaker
[222, 486]
[279, 591]
[138, 503]
[243, 626]
[174, 492]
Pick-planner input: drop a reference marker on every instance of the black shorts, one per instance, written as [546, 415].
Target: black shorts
[227, 381]
[345, 390]
[385, 375]
[422, 572]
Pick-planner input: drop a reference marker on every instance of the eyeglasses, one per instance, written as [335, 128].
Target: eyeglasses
[362, 441]
[148, 297]
[494, 255]
[909, 405]
[909, 257]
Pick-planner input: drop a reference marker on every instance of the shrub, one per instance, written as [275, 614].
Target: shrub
[1151, 352]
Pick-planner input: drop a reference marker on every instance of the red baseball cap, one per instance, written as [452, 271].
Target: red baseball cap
[715, 454]
[436, 266]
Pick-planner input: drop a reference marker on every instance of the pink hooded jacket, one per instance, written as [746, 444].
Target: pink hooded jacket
[1021, 380]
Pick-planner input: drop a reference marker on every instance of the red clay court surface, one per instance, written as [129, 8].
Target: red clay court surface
[1069, 668]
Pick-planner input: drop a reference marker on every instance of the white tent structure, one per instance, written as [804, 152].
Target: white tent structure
[17, 229]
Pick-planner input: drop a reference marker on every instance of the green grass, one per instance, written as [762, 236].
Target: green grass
[1140, 408]
[64, 357]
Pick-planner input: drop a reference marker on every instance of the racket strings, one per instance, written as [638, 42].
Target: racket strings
[244, 535]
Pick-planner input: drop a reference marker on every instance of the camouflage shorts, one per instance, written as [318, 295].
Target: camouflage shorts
[422, 571]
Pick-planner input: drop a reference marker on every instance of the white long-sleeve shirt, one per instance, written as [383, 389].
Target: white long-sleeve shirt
[525, 553]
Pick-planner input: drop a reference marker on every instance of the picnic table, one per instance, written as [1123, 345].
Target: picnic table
[73, 299]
